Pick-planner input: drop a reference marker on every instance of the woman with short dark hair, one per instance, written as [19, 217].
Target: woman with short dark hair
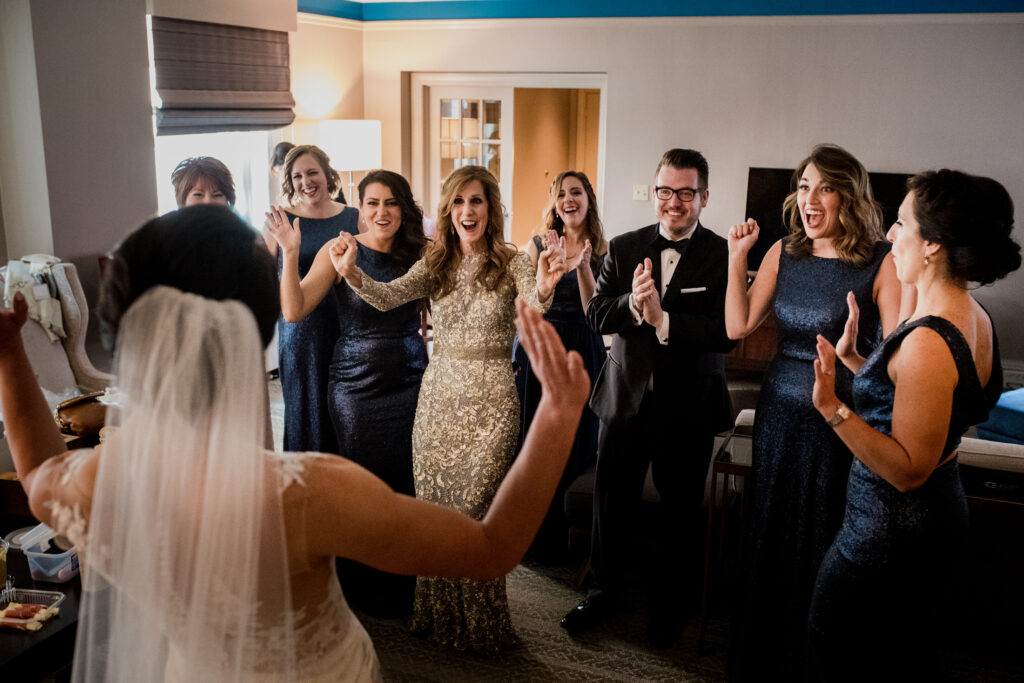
[882, 598]
[202, 180]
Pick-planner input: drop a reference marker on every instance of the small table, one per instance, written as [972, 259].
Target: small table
[732, 459]
[48, 652]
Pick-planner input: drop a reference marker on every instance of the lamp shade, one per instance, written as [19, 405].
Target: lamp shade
[352, 145]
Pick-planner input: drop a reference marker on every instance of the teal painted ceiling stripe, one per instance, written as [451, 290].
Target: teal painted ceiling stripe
[524, 9]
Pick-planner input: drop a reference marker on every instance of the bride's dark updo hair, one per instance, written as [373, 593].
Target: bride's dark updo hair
[972, 218]
[206, 250]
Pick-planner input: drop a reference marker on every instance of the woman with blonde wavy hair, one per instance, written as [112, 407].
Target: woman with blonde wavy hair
[833, 260]
[571, 216]
[467, 414]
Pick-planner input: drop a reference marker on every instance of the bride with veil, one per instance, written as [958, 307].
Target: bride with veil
[205, 556]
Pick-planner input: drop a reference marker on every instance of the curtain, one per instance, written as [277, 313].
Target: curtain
[213, 77]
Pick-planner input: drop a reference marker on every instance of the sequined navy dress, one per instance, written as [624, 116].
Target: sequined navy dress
[375, 375]
[800, 466]
[881, 593]
[567, 316]
[304, 348]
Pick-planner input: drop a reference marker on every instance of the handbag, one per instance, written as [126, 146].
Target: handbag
[82, 415]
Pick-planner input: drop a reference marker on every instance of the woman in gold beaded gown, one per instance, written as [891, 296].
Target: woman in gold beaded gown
[467, 414]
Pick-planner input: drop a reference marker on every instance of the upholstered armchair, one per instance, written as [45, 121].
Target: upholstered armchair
[62, 366]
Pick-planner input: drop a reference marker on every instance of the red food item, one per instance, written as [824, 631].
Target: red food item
[19, 611]
[32, 615]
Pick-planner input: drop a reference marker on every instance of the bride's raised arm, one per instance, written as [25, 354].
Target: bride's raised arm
[359, 517]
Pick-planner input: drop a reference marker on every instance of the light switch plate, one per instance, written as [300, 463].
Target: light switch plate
[641, 192]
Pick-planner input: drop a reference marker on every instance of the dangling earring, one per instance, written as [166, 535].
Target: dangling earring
[926, 261]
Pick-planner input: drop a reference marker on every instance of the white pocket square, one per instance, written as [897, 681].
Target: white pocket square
[692, 290]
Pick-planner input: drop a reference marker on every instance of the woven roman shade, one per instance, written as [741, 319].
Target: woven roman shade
[212, 77]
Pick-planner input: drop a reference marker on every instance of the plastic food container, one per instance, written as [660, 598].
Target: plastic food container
[52, 568]
[51, 599]
[44, 566]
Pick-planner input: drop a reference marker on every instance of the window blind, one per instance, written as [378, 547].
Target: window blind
[213, 77]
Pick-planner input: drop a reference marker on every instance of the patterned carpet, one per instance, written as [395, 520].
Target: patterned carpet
[538, 597]
[987, 649]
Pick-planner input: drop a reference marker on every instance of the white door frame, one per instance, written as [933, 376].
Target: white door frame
[419, 100]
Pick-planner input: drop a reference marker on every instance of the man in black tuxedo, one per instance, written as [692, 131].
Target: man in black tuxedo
[661, 395]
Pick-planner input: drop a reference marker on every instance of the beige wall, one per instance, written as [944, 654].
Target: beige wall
[274, 15]
[327, 73]
[79, 174]
[902, 93]
[95, 120]
[25, 210]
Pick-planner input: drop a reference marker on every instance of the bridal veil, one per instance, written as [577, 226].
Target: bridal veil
[186, 574]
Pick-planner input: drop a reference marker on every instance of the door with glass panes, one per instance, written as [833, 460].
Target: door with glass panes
[471, 126]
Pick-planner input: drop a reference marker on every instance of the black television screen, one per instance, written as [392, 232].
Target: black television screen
[767, 188]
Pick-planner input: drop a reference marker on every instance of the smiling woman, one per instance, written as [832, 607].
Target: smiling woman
[243, 155]
[833, 255]
[378, 357]
[309, 327]
[467, 417]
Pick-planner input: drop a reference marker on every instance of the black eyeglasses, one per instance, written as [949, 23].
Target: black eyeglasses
[685, 194]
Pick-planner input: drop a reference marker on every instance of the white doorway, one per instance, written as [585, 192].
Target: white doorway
[453, 117]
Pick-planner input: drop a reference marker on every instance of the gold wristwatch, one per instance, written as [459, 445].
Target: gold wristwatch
[842, 413]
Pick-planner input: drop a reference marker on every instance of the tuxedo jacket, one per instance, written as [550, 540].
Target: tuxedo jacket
[688, 370]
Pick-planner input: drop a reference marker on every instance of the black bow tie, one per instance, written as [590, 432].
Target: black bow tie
[661, 243]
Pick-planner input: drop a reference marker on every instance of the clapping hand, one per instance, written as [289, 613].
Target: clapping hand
[287, 236]
[343, 256]
[550, 265]
[646, 296]
[561, 374]
[581, 259]
[846, 347]
[11, 322]
[824, 393]
[742, 237]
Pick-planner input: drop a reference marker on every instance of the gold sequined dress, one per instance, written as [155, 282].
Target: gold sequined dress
[463, 438]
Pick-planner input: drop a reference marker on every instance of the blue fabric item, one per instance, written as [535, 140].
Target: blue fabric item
[374, 383]
[800, 466]
[882, 590]
[1006, 421]
[304, 348]
[567, 316]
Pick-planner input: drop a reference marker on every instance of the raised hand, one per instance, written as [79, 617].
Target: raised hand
[343, 252]
[287, 236]
[638, 276]
[11, 322]
[561, 374]
[550, 265]
[846, 347]
[742, 237]
[581, 259]
[824, 393]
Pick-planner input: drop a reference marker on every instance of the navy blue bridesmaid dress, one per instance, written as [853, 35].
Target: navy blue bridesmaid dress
[304, 348]
[569, 320]
[374, 383]
[883, 593]
[800, 466]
